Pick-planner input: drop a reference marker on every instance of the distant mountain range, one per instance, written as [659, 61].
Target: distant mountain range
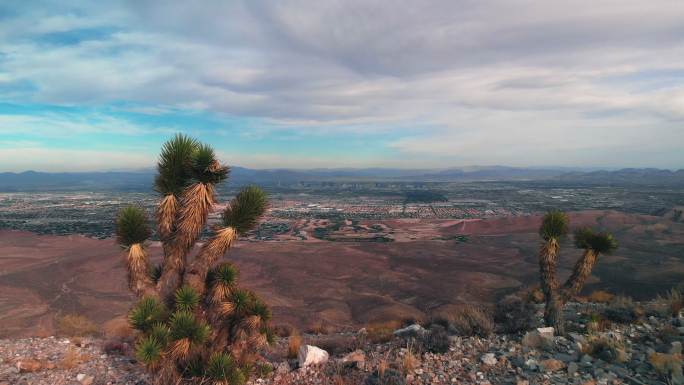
[142, 180]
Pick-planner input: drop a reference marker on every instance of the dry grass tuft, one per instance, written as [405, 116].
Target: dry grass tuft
[605, 348]
[673, 302]
[470, 320]
[410, 361]
[72, 358]
[381, 332]
[293, 345]
[118, 329]
[600, 296]
[667, 365]
[74, 325]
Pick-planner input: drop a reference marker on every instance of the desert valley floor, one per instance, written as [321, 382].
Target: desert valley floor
[429, 265]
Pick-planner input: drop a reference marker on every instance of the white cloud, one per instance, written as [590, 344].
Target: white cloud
[516, 82]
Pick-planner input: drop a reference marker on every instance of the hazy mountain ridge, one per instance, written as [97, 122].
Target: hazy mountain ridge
[141, 180]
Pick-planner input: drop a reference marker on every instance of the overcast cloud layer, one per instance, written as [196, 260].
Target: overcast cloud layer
[429, 83]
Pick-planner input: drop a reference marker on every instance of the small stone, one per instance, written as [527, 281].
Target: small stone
[572, 368]
[80, 377]
[88, 380]
[489, 359]
[676, 348]
[357, 358]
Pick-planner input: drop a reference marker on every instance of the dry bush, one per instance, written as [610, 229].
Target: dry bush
[118, 329]
[409, 361]
[667, 365]
[600, 296]
[672, 302]
[605, 348]
[668, 333]
[381, 332]
[598, 323]
[337, 344]
[72, 358]
[470, 320]
[284, 330]
[535, 295]
[623, 310]
[514, 315]
[293, 345]
[73, 325]
[436, 340]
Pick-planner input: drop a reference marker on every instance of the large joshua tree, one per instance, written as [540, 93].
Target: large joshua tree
[196, 326]
[554, 227]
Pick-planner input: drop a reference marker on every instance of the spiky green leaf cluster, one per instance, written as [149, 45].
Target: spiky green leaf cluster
[205, 167]
[184, 324]
[132, 226]
[223, 369]
[149, 350]
[174, 169]
[554, 225]
[146, 313]
[259, 308]
[241, 300]
[161, 333]
[603, 243]
[245, 210]
[224, 274]
[187, 298]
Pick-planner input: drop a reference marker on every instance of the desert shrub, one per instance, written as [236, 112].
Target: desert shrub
[672, 302]
[284, 330]
[606, 348]
[622, 310]
[381, 332]
[409, 362]
[293, 345]
[535, 295]
[436, 340]
[73, 325]
[470, 320]
[666, 365]
[514, 315]
[600, 296]
[337, 344]
[386, 377]
[668, 333]
[598, 323]
[72, 358]
[114, 346]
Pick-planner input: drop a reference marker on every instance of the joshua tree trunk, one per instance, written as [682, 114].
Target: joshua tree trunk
[579, 275]
[195, 207]
[211, 251]
[553, 313]
[138, 271]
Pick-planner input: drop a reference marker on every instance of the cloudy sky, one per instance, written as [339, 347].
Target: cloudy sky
[350, 83]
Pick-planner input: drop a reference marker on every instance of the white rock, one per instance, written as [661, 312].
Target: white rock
[80, 377]
[546, 332]
[311, 355]
[489, 359]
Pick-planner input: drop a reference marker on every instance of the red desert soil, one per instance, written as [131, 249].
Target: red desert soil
[340, 284]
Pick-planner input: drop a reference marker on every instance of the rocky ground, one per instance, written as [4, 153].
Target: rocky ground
[644, 352]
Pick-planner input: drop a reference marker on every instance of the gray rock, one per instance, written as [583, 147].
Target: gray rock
[572, 368]
[414, 330]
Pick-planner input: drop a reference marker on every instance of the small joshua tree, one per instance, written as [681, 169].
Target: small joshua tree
[196, 326]
[554, 227]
